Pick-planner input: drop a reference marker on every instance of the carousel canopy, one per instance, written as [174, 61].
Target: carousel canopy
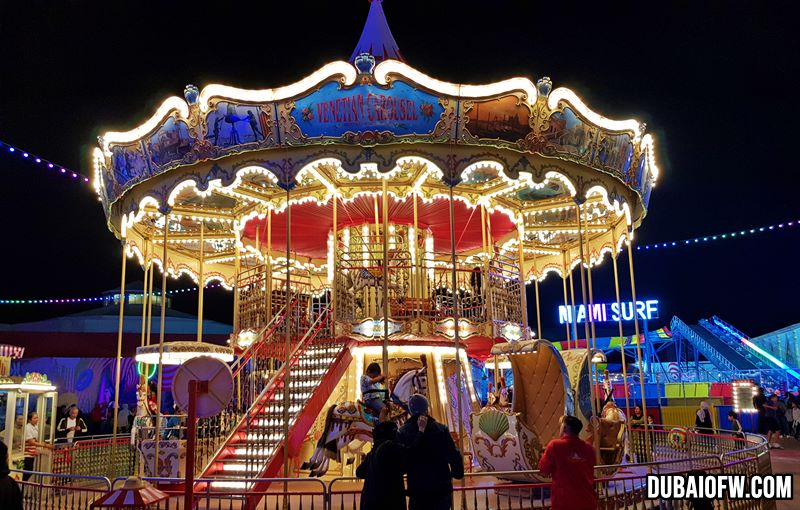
[214, 167]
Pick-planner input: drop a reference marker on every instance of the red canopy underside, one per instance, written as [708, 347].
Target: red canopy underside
[311, 223]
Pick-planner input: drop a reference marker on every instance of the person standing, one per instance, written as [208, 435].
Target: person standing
[637, 433]
[32, 444]
[384, 467]
[783, 422]
[795, 410]
[96, 418]
[435, 460]
[72, 424]
[124, 419]
[771, 424]
[759, 400]
[736, 425]
[10, 494]
[570, 462]
[702, 420]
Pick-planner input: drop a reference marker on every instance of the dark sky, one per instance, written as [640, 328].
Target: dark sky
[715, 82]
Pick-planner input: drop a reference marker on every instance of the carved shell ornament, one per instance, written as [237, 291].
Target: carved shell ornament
[493, 423]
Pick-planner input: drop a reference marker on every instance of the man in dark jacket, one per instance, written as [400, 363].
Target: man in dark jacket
[10, 495]
[383, 468]
[434, 459]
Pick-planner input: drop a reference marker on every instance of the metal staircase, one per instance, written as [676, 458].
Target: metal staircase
[256, 446]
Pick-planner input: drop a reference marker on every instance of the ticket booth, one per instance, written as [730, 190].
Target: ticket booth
[18, 398]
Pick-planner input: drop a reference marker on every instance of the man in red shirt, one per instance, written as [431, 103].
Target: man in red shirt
[570, 462]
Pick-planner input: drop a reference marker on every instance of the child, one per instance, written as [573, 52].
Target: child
[736, 425]
[371, 388]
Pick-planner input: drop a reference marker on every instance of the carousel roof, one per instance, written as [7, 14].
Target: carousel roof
[376, 38]
[222, 162]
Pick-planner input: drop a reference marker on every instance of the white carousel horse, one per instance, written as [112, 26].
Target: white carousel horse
[142, 411]
[348, 426]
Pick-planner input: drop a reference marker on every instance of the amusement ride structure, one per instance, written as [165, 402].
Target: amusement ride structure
[372, 213]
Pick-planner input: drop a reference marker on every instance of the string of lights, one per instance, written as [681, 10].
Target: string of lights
[92, 299]
[9, 149]
[717, 237]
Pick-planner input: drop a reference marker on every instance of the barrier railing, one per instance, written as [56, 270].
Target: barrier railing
[211, 494]
[95, 457]
[478, 491]
[44, 491]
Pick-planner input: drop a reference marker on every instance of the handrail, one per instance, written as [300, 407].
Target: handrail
[315, 327]
[265, 332]
[65, 476]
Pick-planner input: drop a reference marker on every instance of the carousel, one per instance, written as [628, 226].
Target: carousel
[370, 213]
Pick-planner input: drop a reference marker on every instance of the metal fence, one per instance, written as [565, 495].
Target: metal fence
[95, 456]
[477, 491]
[45, 491]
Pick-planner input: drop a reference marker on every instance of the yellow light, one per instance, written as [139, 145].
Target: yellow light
[175, 353]
[389, 67]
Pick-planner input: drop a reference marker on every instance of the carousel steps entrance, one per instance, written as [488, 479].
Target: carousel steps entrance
[257, 447]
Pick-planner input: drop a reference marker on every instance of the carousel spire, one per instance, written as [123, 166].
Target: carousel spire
[376, 38]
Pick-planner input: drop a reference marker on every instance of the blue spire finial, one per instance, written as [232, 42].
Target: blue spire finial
[376, 38]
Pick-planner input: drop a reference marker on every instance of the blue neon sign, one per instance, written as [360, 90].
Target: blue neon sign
[609, 312]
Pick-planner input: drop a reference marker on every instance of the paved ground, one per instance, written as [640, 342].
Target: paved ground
[787, 461]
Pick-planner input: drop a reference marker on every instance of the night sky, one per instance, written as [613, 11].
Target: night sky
[714, 81]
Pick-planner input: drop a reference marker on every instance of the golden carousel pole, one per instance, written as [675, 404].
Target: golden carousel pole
[636, 332]
[260, 252]
[590, 310]
[201, 283]
[487, 295]
[456, 332]
[521, 258]
[269, 265]
[572, 312]
[150, 294]
[619, 324]
[564, 286]
[536, 289]
[237, 268]
[118, 368]
[334, 261]
[418, 267]
[385, 276]
[288, 337]
[592, 389]
[157, 435]
[145, 294]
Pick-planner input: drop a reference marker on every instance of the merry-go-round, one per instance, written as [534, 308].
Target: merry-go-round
[370, 213]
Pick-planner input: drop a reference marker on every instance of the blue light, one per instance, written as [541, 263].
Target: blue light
[11, 149]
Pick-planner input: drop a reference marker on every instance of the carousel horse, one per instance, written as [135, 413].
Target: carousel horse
[608, 435]
[361, 278]
[348, 426]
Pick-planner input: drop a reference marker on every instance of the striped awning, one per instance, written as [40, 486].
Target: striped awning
[11, 351]
[130, 498]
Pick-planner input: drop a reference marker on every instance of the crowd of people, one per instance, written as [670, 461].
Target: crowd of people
[777, 417]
